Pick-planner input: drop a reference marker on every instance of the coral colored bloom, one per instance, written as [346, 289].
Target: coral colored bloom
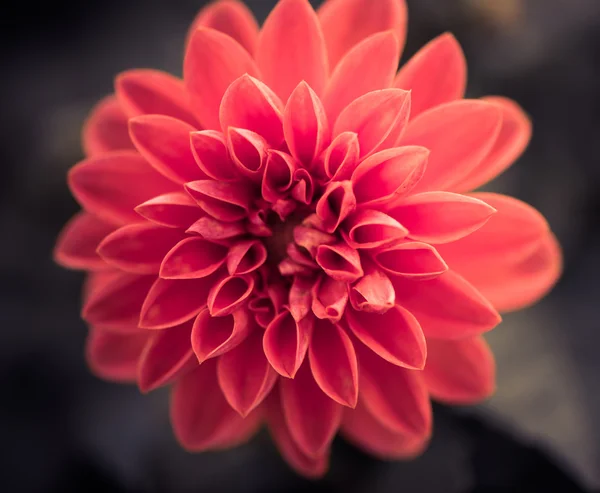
[287, 235]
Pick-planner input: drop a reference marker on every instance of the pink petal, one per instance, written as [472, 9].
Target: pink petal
[248, 151]
[411, 259]
[460, 372]
[167, 356]
[388, 174]
[144, 92]
[329, 299]
[291, 48]
[212, 62]
[139, 248]
[77, 243]
[340, 261]
[105, 129]
[245, 257]
[304, 188]
[210, 151]
[214, 230]
[245, 375]
[336, 204]
[173, 210]
[262, 308]
[229, 294]
[103, 185]
[437, 74]
[342, 157]
[395, 335]
[285, 343]
[312, 417]
[192, 258]
[224, 201]
[214, 336]
[300, 297]
[510, 144]
[278, 176]
[373, 292]
[368, 229]
[447, 307]
[96, 281]
[378, 117]
[369, 66]
[459, 135]
[333, 363]
[347, 22]
[441, 217]
[310, 238]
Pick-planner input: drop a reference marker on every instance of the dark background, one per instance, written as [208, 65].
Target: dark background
[62, 430]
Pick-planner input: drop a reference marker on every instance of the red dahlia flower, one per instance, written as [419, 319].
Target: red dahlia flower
[285, 237]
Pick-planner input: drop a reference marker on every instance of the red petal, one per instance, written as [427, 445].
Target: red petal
[245, 375]
[310, 238]
[341, 157]
[441, 217]
[378, 117]
[388, 174]
[291, 48]
[245, 257]
[368, 229]
[105, 129]
[173, 210]
[211, 229]
[96, 281]
[248, 151]
[285, 342]
[304, 189]
[447, 307]
[167, 356]
[116, 304]
[224, 201]
[263, 309]
[411, 259]
[212, 62]
[374, 292]
[369, 66]
[193, 258]
[347, 22]
[103, 185]
[336, 204]
[210, 151]
[139, 248]
[77, 243]
[340, 262]
[144, 92]
[278, 176]
[395, 335]
[460, 372]
[300, 297]
[312, 417]
[437, 74]
[333, 363]
[329, 299]
[510, 144]
[228, 294]
[459, 135]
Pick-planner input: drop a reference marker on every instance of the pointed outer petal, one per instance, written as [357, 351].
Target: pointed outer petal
[278, 176]
[144, 92]
[263, 310]
[341, 157]
[212, 229]
[228, 202]
[168, 355]
[114, 356]
[511, 142]
[116, 304]
[447, 307]
[300, 256]
[304, 188]
[113, 184]
[210, 152]
[248, 152]
[441, 217]
[214, 336]
[368, 433]
[369, 66]
[174, 301]
[288, 267]
[173, 210]
[305, 125]
[201, 416]
[368, 229]
[228, 294]
[412, 259]
[251, 105]
[340, 261]
[333, 363]
[336, 204]
[285, 342]
[77, 243]
[311, 467]
[164, 142]
[395, 336]
[310, 238]
[193, 258]
[388, 174]
[230, 17]
[329, 299]
[105, 129]
[459, 135]
[460, 372]
[139, 248]
[436, 74]
[291, 48]
[373, 292]
[245, 375]
[379, 118]
[300, 297]
[245, 257]
[96, 281]
[347, 22]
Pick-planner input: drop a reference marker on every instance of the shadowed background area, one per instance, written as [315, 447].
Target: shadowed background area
[63, 430]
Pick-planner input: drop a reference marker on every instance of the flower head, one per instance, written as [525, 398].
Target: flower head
[285, 237]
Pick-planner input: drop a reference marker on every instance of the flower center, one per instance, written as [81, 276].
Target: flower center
[282, 236]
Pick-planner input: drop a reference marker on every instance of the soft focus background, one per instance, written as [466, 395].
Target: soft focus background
[62, 430]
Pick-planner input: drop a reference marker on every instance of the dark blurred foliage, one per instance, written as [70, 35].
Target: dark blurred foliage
[63, 430]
